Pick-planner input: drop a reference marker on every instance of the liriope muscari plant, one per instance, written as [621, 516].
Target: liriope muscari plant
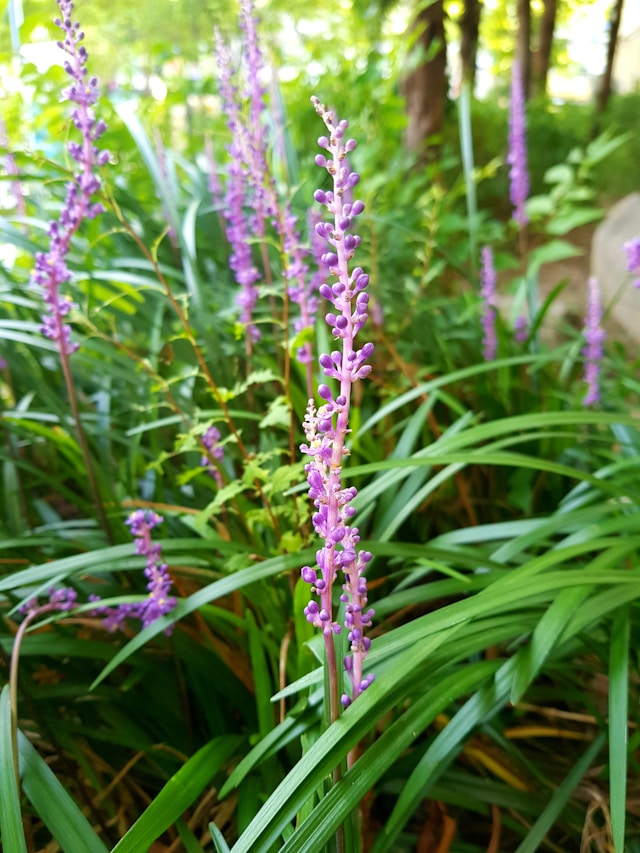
[326, 428]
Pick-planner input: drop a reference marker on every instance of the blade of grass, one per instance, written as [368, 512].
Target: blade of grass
[13, 840]
[618, 723]
[178, 795]
[62, 817]
[559, 799]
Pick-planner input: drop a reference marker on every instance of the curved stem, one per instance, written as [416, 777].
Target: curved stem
[84, 444]
[13, 682]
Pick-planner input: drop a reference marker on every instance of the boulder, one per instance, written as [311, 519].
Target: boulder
[609, 263]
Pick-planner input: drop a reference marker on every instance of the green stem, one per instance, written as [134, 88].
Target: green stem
[13, 682]
[334, 714]
[84, 444]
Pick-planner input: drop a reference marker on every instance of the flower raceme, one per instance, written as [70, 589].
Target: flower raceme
[158, 602]
[211, 440]
[488, 292]
[632, 248]
[51, 270]
[326, 428]
[594, 336]
[517, 157]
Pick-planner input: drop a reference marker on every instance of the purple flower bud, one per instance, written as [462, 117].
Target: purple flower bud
[329, 259]
[309, 575]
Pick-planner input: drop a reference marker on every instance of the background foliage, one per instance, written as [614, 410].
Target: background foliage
[502, 515]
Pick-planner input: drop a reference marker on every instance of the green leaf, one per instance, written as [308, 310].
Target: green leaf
[618, 723]
[218, 839]
[564, 222]
[179, 794]
[549, 629]
[11, 831]
[559, 799]
[551, 253]
[189, 840]
[62, 817]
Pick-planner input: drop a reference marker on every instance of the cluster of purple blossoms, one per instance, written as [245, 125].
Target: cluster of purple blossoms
[326, 429]
[12, 170]
[249, 185]
[238, 231]
[632, 248]
[60, 600]
[158, 602]
[51, 269]
[264, 199]
[488, 292]
[517, 157]
[594, 336]
[211, 439]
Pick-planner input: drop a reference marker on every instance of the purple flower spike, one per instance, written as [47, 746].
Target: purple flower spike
[158, 602]
[238, 228]
[211, 439]
[489, 282]
[632, 248]
[326, 428]
[594, 335]
[521, 329]
[517, 157]
[264, 202]
[51, 269]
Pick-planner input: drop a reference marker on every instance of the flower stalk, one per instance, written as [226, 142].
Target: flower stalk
[327, 427]
[594, 336]
[488, 292]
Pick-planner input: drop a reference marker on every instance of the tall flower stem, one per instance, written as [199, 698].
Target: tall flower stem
[326, 430]
[84, 445]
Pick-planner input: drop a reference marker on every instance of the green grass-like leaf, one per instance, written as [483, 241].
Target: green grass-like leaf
[53, 804]
[11, 832]
[178, 795]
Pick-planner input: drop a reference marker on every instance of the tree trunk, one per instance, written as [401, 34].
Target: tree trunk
[541, 58]
[469, 30]
[425, 88]
[605, 86]
[523, 52]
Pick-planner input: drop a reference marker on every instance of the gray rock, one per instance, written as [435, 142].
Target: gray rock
[609, 262]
